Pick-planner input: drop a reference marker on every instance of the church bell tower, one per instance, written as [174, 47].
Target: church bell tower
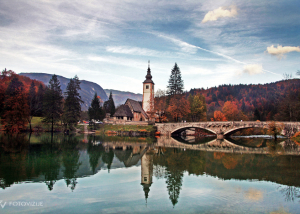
[148, 92]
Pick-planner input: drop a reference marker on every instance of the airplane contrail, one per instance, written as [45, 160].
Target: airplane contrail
[187, 45]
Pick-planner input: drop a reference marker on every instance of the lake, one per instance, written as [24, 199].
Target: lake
[111, 174]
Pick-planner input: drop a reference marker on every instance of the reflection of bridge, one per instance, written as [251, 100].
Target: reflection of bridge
[223, 128]
[227, 147]
[284, 148]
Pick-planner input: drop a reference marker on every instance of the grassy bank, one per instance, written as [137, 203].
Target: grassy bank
[110, 129]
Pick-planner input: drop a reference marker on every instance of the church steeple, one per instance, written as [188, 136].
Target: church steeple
[148, 92]
[148, 76]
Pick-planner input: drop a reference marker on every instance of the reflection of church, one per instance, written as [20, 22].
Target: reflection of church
[147, 172]
[133, 110]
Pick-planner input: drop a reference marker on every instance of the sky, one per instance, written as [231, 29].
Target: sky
[109, 42]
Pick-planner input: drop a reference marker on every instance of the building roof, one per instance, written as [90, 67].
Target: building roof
[136, 106]
[123, 111]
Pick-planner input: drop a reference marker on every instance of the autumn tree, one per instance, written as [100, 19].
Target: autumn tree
[160, 105]
[178, 107]
[219, 116]
[72, 105]
[53, 102]
[16, 110]
[175, 84]
[230, 110]
[109, 105]
[197, 107]
[95, 111]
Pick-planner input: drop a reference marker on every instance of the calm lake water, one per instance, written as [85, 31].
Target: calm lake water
[97, 174]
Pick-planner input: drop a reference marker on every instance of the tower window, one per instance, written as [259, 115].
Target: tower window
[147, 86]
[152, 86]
[145, 179]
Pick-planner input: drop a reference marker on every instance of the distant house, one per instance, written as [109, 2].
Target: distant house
[133, 110]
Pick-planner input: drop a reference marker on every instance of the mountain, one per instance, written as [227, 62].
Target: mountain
[121, 96]
[87, 91]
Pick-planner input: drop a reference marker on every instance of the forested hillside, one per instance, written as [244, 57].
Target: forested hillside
[272, 101]
[87, 91]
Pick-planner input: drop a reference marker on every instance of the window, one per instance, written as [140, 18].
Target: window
[145, 179]
[152, 86]
[147, 86]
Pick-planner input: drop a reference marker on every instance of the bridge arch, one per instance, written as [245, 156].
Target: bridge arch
[182, 128]
[231, 131]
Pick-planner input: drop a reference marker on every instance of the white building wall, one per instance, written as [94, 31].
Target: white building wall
[147, 93]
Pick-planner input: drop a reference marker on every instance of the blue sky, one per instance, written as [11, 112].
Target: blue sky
[110, 42]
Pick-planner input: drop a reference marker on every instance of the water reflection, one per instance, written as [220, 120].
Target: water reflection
[49, 158]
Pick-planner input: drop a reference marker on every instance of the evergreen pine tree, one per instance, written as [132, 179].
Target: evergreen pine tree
[95, 111]
[175, 82]
[53, 102]
[72, 105]
[109, 105]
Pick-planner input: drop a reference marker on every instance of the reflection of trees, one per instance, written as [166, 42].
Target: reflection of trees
[70, 159]
[174, 183]
[95, 151]
[50, 160]
[12, 158]
[290, 192]
[108, 157]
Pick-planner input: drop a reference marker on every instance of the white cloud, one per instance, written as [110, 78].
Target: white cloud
[133, 51]
[280, 50]
[219, 13]
[253, 69]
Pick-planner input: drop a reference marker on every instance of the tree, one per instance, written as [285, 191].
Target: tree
[16, 110]
[178, 107]
[95, 111]
[32, 103]
[197, 107]
[72, 105]
[40, 100]
[53, 102]
[175, 82]
[219, 116]
[160, 105]
[109, 105]
[230, 110]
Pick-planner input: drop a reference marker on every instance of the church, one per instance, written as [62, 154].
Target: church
[133, 110]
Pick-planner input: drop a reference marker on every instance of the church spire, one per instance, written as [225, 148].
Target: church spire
[148, 76]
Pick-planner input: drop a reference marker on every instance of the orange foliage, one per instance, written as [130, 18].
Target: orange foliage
[178, 107]
[297, 134]
[230, 110]
[15, 118]
[218, 155]
[219, 116]
[229, 162]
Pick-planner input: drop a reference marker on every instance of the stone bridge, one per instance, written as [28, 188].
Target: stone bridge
[224, 128]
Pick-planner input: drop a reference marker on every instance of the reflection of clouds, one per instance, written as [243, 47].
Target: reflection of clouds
[253, 194]
[280, 211]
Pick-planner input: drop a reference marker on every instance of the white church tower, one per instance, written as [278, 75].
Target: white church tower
[148, 92]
